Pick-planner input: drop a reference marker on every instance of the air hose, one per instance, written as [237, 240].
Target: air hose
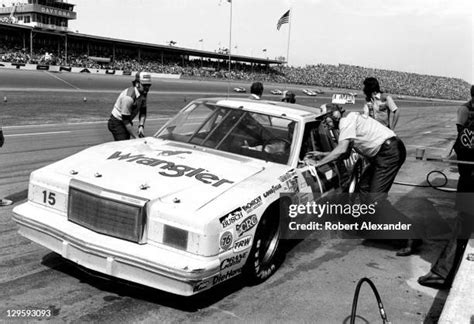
[377, 296]
[429, 184]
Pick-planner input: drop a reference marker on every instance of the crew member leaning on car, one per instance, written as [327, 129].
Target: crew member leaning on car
[382, 109]
[379, 144]
[385, 152]
[130, 102]
[256, 90]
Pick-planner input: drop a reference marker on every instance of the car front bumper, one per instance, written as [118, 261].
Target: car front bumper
[153, 265]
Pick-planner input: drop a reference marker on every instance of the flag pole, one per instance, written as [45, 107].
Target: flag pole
[230, 45]
[289, 33]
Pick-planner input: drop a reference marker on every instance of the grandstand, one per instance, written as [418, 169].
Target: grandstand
[37, 32]
[41, 26]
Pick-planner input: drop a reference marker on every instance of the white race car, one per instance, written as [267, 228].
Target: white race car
[309, 92]
[276, 92]
[240, 89]
[192, 206]
[318, 91]
[343, 98]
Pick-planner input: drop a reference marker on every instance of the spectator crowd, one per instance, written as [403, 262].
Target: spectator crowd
[324, 75]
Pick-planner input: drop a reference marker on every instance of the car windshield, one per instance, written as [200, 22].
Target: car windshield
[237, 131]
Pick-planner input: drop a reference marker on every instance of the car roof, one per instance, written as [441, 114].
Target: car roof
[269, 107]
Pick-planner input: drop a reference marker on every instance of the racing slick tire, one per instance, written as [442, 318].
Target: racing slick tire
[267, 252]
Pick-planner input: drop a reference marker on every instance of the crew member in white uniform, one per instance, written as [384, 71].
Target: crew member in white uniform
[379, 144]
[130, 102]
[385, 152]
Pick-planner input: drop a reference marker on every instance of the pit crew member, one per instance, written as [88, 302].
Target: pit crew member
[443, 271]
[130, 102]
[385, 152]
[256, 90]
[381, 108]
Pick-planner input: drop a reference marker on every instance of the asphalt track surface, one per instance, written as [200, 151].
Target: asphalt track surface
[317, 280]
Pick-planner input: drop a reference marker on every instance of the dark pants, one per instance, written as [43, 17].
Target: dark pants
[375, 184]
[118, 130]
[379, 176]
[448, 262]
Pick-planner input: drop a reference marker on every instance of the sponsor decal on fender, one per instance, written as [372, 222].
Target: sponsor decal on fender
[172, 169]
[231, 218]
[351, 161]
[292, 185]
[287, 176]
[201, 285]
[272, 190]
[232, 261]
[252, 205]
[246, 225]
[222, 277]
[226, 240]
[242, 244]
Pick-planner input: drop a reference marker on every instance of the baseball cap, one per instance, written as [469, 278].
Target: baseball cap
[143, 77]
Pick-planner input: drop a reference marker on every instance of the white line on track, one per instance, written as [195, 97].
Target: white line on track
[197, 93]
[56, 77]
[34, 134]
[72, 124]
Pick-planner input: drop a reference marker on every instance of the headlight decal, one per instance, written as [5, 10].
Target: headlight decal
[175, 237]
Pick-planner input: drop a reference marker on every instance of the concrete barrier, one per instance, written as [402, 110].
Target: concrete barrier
[459, 307]
[74, 69]
[42, 67]
[165, 76]
[65, 69]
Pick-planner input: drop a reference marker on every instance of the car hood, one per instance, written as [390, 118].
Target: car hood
[156, 169]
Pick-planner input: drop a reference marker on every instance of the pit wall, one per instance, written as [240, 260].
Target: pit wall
[71, 69]
[459, 307]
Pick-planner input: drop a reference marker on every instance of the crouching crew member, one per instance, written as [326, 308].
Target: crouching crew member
[130, 102]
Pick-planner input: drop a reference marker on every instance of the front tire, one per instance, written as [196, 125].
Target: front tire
[266, 254]
[355, 178]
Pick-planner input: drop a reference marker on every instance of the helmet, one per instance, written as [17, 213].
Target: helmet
[143, 77]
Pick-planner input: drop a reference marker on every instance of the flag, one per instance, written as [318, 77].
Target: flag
[284, 19]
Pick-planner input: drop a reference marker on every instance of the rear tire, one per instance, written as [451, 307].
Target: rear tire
[266, 254]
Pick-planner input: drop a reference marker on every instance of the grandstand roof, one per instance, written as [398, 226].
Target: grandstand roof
[178, 50]
[167, 48]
